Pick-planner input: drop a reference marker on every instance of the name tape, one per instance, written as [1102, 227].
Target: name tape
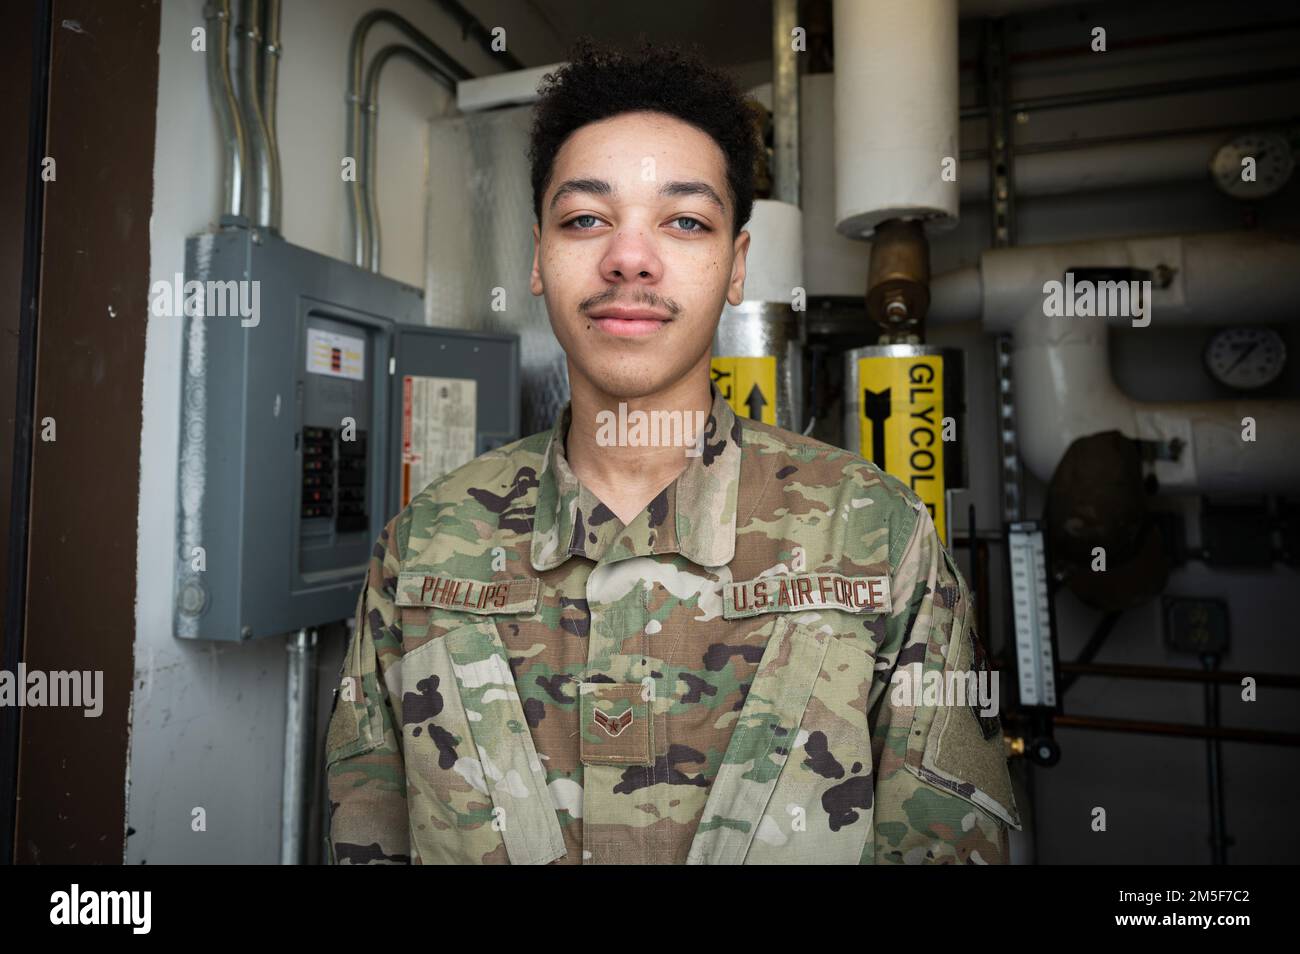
[467, 596]
[806, 591]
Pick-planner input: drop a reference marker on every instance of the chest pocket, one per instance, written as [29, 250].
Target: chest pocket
[476, 789]
[795, 784]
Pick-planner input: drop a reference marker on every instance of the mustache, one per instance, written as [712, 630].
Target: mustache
[642, 297]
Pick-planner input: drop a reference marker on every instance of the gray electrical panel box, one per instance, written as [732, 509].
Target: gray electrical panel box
[315, 404]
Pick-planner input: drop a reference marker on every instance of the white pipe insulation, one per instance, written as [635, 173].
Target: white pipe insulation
[896, 113]
[1064, 389]
[1118, 165]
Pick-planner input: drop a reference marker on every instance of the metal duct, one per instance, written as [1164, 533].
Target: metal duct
[479, 248]
[234, 145]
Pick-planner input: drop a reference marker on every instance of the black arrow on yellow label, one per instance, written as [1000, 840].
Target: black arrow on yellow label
[876, 406]
[755, 402]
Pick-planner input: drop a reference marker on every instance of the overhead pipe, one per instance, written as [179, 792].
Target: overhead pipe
[234, 141]
[268, 88]
[1064, 388]
[356, 107]
[1117, 165]
[1117, 94]
[472, 29]
[257, 197]
[785, 103]
[370, 119]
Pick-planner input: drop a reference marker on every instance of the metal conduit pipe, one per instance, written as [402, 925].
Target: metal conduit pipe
[356, 107]
[248, 31]
[269, 74]
[299, 746]
[785, 103]
[370, 119]
[471, 28]
[1116, 94]
[234, 144]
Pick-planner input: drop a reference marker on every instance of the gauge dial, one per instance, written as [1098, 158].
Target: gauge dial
[1273, 165]
[1245, 358]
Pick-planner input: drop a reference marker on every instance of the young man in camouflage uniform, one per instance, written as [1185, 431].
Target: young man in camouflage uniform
[580, 653]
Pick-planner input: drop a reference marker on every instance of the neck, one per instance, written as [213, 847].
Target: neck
[626, 478]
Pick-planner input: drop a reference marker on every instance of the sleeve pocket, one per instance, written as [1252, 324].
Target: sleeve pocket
[953, 746]
[356, 724]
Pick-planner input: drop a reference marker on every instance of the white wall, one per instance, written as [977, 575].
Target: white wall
[207, 719]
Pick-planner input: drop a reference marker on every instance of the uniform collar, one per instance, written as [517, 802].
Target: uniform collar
[694, 516]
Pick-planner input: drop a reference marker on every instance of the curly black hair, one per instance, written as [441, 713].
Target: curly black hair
[598, 82]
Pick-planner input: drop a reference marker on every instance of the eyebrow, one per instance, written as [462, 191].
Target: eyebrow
[602, 188]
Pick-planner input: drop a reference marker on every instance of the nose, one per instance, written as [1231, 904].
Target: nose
[631, 258]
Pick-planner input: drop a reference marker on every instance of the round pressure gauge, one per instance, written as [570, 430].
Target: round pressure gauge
[1245, 358]
[1269, 171]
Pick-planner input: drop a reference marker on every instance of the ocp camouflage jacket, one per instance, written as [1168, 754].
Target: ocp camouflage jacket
[719, 682]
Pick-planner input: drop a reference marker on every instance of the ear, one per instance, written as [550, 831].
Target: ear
[736, 288]
[535, 280]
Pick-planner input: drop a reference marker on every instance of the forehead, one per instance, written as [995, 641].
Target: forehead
[618, 149]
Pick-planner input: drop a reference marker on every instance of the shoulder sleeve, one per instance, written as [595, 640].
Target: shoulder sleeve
[365, 775]
[943, 790]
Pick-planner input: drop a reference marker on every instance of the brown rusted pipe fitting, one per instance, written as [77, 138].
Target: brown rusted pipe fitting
[898, 280]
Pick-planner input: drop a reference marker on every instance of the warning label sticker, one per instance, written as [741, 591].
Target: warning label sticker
[748, 385]
[901, 421]
[339, 356]
[438, 429]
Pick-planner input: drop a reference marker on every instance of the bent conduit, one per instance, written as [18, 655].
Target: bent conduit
[370, 135]
[234, 144]
[268, 87]
[356, 106]
[257, 198]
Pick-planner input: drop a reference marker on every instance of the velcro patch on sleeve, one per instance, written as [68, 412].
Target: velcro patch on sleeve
[806, 591]
[467, 596]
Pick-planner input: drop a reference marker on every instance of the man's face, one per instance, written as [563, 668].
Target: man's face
[635, 253]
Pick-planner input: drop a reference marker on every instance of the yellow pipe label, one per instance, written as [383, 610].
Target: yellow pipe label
[748, 385]
[900, 416]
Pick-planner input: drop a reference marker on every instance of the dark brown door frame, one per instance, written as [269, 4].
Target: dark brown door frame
[92, 75]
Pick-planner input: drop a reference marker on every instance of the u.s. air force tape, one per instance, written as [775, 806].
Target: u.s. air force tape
[466, 596]
[806, 591]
